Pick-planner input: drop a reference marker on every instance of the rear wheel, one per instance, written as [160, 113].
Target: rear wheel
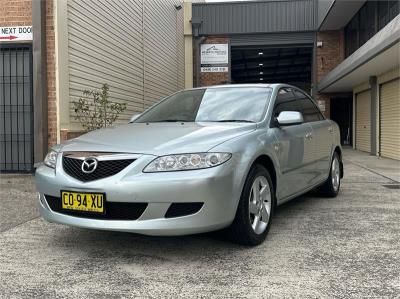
[255, 209]
[331, 186]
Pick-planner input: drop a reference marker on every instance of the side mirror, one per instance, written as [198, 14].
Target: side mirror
[135, 117]
[289, 118]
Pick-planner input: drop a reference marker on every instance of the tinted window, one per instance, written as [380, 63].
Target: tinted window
[285, 101]
[394, 8]
[351, 33]
[308, 108]
[372, 17]
[383, 14]
[211, 104]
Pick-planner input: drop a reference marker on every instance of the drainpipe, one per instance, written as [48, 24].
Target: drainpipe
[196, 24]
[39, 70]
[198, 41]
[374, 102]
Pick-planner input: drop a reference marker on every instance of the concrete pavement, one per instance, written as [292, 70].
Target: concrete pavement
[347, 247]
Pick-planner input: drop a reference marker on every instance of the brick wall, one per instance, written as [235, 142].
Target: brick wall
[328, 57]
[15, 13]
[51, 74]
[331, 53]
[207, 79]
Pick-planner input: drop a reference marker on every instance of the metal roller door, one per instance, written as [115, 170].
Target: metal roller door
[390, 119]
[363, 121]
[16, 110]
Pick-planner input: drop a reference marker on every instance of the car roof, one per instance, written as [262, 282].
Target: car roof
[266, 85]
[236, 85]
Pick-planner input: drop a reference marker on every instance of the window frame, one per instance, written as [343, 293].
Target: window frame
[380, 12]
[274, 122]
[321, 115]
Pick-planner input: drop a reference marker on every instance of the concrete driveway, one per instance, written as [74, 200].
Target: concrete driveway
[346, 247]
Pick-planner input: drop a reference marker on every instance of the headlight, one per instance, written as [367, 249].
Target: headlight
[187, 162]
[51, 159]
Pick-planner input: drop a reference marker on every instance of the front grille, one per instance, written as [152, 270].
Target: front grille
[73, 167]
[113, 210]
[183, 209]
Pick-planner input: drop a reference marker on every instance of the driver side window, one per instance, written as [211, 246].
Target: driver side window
[286, 101]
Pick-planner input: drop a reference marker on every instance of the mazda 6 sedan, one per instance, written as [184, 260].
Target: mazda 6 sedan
[204, 159]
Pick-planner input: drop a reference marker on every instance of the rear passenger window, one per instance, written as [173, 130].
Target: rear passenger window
[309, 110]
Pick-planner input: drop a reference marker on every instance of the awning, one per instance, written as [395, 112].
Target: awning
[378, 55]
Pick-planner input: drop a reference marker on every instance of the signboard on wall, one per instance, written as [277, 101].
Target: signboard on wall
[214, 58]
[214, 54]
[16, 33]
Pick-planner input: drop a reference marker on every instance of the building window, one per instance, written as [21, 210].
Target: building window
[394, 9]
[351, 32]
[371, 17]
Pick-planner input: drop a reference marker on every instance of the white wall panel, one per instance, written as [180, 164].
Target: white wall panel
[135, 46]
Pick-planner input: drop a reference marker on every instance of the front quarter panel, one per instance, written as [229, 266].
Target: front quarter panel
[245, 151]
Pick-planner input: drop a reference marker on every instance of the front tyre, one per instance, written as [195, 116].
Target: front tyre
[255, 209]
[331, 186]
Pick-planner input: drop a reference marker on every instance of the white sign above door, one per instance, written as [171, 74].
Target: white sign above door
[16, 33]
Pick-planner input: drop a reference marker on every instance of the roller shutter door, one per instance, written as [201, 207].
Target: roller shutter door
[390, 119]
[363, 121]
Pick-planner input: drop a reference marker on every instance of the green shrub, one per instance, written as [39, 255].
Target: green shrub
[94, 110]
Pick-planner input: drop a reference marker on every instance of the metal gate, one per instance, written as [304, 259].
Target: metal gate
[16, 108]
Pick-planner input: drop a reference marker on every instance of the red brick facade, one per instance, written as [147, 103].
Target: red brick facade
[67, 134]
[15, 13]
[207, 79]
[329, 55]
[51, 74]
[19, 13]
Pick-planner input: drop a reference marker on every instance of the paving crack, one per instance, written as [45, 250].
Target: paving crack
[19, 224]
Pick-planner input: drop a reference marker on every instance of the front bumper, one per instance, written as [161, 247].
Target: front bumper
[217, 188]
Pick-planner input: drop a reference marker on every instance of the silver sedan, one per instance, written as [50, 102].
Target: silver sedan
[200, 160]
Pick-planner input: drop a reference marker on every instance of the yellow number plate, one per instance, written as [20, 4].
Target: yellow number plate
[85, 202]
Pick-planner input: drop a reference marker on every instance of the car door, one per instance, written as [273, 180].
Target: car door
[321, 137]
[293, 147]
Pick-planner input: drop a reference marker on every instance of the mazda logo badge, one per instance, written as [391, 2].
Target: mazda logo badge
[89, 165]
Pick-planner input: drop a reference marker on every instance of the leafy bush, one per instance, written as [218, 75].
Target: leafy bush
[95, 110]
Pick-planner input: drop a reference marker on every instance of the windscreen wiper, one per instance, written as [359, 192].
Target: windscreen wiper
[234, 121]
[170, 121]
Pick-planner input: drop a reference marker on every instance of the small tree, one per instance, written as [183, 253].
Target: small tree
[95, 110]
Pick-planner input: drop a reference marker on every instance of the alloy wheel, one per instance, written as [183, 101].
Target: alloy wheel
[335, 174]
[260, 204]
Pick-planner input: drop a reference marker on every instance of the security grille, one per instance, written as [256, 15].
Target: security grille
[16, 108]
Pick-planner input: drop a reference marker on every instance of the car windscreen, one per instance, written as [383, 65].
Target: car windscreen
[230, 104]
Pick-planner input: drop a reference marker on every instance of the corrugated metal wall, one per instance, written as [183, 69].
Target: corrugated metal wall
[363, 121]
[134, 46]
[256, 17]
[163, 50]
[390, 119]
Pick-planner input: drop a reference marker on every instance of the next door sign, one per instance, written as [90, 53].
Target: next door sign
[15, 34]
